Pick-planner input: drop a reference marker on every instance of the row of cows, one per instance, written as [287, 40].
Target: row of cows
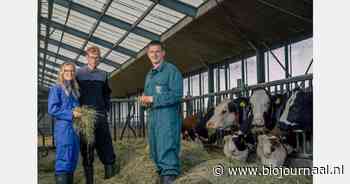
[262, 124]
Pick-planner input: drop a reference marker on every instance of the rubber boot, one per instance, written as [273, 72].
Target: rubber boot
[111, 170]
[167, 179]
[64, 178]
[89, 175]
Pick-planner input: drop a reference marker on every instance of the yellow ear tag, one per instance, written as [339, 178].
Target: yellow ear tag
[242, 104]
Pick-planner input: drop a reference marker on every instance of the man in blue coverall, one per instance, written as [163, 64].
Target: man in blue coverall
[162, 95]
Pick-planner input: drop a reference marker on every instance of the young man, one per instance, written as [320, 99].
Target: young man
[162, 94]
[95, 92]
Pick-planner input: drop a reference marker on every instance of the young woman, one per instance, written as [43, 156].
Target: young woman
[62, 100]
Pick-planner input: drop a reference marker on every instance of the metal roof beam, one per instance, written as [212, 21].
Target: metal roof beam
[49, 70]
[107, 19]
[283, 10]
[78, 51]
[145, 13]
[92, 31]
[180, 7]
[50, 62]
[50, 8]
[64, 58]
[48, 79]
[83, 35]
[42, 90]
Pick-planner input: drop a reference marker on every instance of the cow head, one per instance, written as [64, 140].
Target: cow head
[225, 115]
[260, 103]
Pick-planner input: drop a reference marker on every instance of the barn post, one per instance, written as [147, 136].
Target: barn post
[200, 94]
[211, 85]
[260, 65]
[217, 78]
[286, 60]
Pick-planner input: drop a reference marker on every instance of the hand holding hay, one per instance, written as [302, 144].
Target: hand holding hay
[84, 122]
[77, 113]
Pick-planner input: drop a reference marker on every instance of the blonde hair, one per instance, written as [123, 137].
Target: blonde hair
[60, 78]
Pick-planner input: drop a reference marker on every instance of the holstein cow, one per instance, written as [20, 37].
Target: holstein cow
[235, 147]
[266, 110]
[298, 113]
[271, 151]
[231, 116]
[260, 102]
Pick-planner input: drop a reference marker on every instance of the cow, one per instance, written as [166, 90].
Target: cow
[235, 147]
[194, 127]
[271, 151]
[230, 116]
[266, 110]
[260, 102]
[297, 117]
[229, 113]
[298, 112]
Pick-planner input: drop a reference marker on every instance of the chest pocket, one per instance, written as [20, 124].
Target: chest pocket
[161, 86]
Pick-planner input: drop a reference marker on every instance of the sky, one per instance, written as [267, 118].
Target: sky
[300, 54]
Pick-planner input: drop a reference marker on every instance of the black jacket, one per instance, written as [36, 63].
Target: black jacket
[94, 88]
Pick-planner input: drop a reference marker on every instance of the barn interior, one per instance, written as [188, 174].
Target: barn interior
[223, 48]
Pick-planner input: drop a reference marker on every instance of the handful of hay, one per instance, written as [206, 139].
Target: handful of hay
[85, 125]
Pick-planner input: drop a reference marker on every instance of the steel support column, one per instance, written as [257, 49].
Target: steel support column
[260, 66]
[211, 85]
[286, 60]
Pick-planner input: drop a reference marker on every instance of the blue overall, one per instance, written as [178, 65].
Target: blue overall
[164, 126]
[60, 107]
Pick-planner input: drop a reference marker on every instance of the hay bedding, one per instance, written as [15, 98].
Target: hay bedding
[137, 168]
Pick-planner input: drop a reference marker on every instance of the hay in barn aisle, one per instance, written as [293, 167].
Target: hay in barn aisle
[137, 168]
[203, 174]
[85, 125]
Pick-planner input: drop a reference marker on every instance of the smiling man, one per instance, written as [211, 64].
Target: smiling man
[162, 95]
[95, 93]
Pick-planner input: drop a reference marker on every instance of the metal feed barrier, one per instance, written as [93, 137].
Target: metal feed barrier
[127, 118]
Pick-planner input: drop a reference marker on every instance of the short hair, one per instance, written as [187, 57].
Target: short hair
[156, 42]
[93, 50]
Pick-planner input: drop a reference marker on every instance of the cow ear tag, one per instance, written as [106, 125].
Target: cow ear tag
[242, 104]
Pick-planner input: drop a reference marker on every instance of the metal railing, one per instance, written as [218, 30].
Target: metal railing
[127, 118]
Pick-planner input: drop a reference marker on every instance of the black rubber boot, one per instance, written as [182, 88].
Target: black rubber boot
[64, 179]
[167, 179]
[89, 175]
[111, 170]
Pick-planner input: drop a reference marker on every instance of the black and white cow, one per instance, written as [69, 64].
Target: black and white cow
[298, 112]
[235, 146]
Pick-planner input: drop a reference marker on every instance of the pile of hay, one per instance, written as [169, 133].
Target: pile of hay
[137, 168]
[203, 174]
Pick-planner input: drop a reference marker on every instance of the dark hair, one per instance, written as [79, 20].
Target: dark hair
[156, 42]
